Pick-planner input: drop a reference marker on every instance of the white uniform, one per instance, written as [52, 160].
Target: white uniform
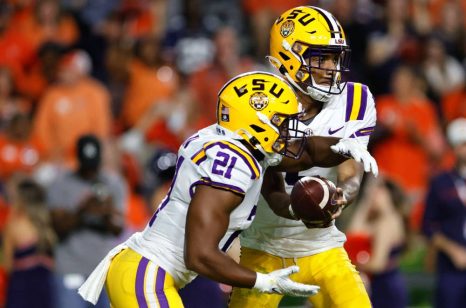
[207, 158]
[350, 114]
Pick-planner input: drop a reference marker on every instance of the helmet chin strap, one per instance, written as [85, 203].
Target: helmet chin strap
[321, 93]
[272, 159]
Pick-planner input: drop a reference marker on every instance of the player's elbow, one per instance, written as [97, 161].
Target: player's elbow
[196, 260]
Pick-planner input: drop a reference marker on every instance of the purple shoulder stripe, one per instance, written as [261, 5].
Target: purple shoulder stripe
[362, 108]
[349, 100]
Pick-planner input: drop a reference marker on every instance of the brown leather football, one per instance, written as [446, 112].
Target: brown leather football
[312, 202]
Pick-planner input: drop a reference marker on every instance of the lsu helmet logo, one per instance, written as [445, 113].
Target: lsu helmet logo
[258, 101]
[287, 28]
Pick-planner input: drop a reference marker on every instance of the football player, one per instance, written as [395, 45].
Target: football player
[213, 196]
[309, 48]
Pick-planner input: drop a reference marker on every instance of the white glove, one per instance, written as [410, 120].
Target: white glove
[279, 282]
[350, 147]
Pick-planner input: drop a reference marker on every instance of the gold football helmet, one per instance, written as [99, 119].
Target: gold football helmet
[301, 40]
[262, 109]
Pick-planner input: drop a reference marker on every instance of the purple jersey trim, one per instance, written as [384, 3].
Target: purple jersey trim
[367, 131]
[230, 240]
[349, 100]
[362, 108]
[209, 182]
[254, 167]
[188, 141]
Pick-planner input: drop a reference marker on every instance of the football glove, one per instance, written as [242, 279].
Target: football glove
[278, 282]
[350, 147]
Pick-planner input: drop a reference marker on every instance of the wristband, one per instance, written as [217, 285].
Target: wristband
[262, 282]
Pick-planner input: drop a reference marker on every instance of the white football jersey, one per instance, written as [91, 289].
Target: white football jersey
[350, 114]
[207, 158]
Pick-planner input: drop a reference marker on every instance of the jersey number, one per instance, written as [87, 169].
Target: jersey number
[224, 164]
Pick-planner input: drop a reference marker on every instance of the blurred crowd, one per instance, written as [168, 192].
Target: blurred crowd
[96, 96]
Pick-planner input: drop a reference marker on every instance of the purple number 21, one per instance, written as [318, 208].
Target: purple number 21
[223, 161]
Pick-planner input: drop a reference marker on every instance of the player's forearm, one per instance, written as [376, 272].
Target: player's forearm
[318, 148]
[280, 204]
[349, 179]
[273, 191]
[221, 268]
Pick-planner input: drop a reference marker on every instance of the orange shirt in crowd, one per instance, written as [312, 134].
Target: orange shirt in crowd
[65, 32]
[148, 86]
[205, 85]
[398, 156]
[16, 52]
[454, 105]
[18, 156]
[67, 112]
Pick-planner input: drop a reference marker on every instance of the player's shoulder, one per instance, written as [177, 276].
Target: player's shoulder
[357, 101]
[226, 154]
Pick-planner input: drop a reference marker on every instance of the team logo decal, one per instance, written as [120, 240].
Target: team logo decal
[258, 101]
[308, 132]
[287, 28]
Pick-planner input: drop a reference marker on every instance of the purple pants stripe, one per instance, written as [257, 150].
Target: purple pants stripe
[159, 285]
[140, 274]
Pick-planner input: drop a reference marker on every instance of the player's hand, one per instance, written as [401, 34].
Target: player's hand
[350, 147]
[278, 282]
[339, 198]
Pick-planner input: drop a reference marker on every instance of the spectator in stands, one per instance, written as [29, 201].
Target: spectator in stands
[151, 82]
[44, 21]
[381, 217]
[227, 63]
[10, 102]
[408, 143]
[391, 41]
[454, 104]
[262, 15]
[444, 223]
[87, 206]
[20, 152]
[42, 72]
[28, 242]
[16, 52]
[444, 73]
[77, 105]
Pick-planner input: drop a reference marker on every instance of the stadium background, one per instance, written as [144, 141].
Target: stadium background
[148, 72]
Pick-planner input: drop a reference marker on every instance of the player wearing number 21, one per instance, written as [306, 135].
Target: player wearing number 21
[309, 48]
[213, 197]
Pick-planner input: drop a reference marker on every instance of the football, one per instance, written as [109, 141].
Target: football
[312, 202]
